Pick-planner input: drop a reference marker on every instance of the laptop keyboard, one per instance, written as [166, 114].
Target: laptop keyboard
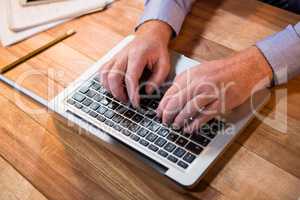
[142, 125]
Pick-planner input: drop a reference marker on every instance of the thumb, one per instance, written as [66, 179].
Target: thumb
[159, 74]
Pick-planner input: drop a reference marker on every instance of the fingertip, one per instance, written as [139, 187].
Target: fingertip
[135, 100]
[175, 126]
[149, 89]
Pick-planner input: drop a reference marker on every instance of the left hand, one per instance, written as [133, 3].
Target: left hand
[213, 88]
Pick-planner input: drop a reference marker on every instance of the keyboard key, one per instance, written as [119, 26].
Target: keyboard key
[78, 97]
[117, 127]
[137, 118]
[121, 109]
[96, 78]
[172, 137]
[172, 159]
[102, 90]
[109, 123]
[94, 106]
[112, 105]
[153, 147]
[87, 102]
[153, 104]
[144, 142]
[182, 164]
[150, 114]
[189, 157]
[104, 101]
[170, 147]
[142, 132]
[160, 142]
[96, 86]
[157, 119]
[134, 127]
[98, 97]
[125, 123]
[126, 132]
[85, 109]
[194, 148]
[91, 93]
[109, 114]
[93, 114]
[142, 110]
[145, 122]
[209, 134]
[151, 137]
[163, 132]
[101, 118]
[162, 153]
[117, 118]
[129, 114]
[108, 94]
[184, 134]
[84, 89]
[144, 101]
[181, 141]
[179, 152]
[71, 101]
[101, 110]
[78, 105]
[134, 137]
[153, 126]
[200, 139]
[216, 125]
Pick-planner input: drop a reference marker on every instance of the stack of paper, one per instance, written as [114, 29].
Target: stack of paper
[19, 22]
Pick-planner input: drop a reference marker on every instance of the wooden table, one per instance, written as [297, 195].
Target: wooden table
[38, 162]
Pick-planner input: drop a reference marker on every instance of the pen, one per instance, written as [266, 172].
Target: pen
[37, 51]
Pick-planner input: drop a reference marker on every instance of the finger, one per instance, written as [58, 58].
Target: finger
[116, 80]
[159, 74]
[178, 84]
[135, 68]
[104, 73]
[192, 108]
[211, 111]
[176, 103]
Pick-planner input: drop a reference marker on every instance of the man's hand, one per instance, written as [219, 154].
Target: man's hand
[205, 91]
[149, 49]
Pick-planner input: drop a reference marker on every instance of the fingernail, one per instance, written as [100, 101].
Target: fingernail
[187, 130]
[175, 127]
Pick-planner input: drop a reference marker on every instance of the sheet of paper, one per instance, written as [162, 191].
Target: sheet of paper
[9, 37]
[24, 17]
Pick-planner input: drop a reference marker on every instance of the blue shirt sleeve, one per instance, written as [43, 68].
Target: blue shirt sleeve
[172, 12]
[282, 51]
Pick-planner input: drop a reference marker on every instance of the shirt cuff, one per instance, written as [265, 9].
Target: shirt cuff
[168, 11]
[282, 51]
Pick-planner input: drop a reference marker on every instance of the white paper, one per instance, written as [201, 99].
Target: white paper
[8, 36]
[24, 17]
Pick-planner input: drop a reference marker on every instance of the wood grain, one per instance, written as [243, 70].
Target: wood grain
[10, 179]
[263, 163]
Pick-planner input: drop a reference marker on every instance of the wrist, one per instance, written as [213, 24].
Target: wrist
[156, 30]
[253, 68]
[263, 66]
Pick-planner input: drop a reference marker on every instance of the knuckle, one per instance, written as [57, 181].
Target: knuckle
[113, 77]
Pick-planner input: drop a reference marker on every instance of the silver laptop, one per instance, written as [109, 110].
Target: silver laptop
[137, 135]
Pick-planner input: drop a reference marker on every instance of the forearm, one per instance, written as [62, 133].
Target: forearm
[282, 51]
[172, 12]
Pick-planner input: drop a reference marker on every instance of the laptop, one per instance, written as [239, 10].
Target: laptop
[138, 134]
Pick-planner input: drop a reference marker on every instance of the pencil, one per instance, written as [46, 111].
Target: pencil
[36, 52]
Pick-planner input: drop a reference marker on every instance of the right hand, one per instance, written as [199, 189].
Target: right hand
[149, 49]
